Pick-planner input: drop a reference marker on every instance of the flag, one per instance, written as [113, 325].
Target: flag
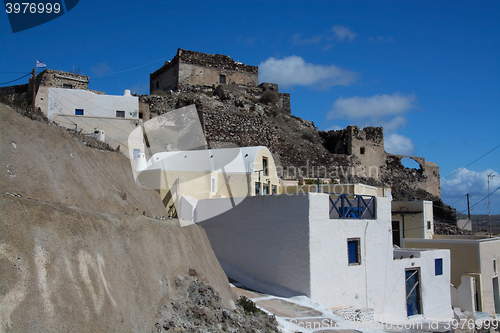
[40, 64]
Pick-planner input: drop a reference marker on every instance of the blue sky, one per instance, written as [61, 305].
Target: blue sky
[428, 71]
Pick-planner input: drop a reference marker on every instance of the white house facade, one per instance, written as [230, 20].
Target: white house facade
[339, 254]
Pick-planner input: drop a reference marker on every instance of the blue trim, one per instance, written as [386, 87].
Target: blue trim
[359, 207]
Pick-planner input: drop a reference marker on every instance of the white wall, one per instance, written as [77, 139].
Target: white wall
[65, 101]
[290, 240]
[266, 236]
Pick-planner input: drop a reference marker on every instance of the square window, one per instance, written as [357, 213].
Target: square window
[120, 114]
[78, 112]
[353, 251]
[438, 266]
[222, 79]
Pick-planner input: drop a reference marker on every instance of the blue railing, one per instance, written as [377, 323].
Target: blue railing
[348, 206]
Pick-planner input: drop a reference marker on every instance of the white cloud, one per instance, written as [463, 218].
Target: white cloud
[334, 128]
[464, 181]
[298, 40]
[375, 106]
[293, 70]
[399, 144]
[342, 33]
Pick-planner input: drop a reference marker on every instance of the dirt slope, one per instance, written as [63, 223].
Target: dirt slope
[45, 163]
[76, 254]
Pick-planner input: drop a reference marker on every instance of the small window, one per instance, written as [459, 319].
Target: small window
[353, 251]
[222, 79]
[212, 185]
[67, 86]
[362, 150]
[494, 266]
[136, 152]
[264, 166]
[429, 225]
[438, 266]
[257, 188]
[274, 189]
[140, 115]
[78, 112]
[120, 114]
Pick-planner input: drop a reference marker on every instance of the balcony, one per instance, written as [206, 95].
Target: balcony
[349, 206]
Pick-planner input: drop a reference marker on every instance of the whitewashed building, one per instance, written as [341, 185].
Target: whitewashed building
[109, 118]
[474, 272]
[335, 249]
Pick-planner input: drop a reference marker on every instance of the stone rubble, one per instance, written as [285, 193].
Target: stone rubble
[198, 308]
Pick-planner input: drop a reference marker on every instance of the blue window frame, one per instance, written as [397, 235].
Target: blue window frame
[353, 252]
[78, 112]
[438, 266]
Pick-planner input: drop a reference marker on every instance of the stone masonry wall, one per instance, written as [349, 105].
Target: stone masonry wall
[214, 60]
[189, 66]
[243, 130]
[56, 79]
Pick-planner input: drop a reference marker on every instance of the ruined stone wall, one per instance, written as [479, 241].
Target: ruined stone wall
[335, 142]
[165, 78]
[56, 79]
[284, 103]
[367, 145]
[214, 60]
[243, 130]
[198, 75]
[196, 68]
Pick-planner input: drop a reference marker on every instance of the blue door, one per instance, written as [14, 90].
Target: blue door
[413, 305]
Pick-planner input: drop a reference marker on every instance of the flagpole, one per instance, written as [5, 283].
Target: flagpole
[33, 86]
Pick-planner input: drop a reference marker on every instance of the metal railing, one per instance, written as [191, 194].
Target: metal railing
[349, 206]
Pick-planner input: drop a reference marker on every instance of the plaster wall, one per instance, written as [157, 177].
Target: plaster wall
[266, 242]
[116, 130]
[334, 282]
[289, 240]
[434, 290]
[489, 250]
[65, 101]
[464, 254]
[414, 216]
[359, 189]
[271, 177]
[379, 281]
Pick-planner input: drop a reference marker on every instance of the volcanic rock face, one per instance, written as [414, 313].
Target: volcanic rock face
[249, 116]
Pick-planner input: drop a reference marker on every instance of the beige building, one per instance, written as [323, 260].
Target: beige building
[201, 69]
[474, 272]
[205, 174]
[411, 219]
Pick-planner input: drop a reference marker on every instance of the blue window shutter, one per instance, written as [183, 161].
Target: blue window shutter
[438, 266]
